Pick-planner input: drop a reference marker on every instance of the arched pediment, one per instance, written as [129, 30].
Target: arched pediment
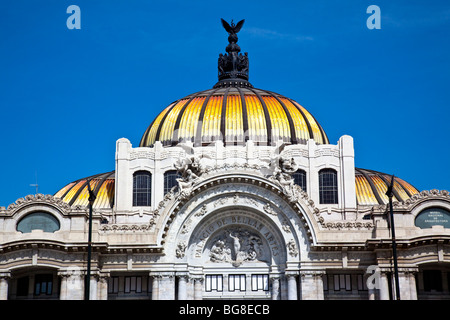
[251, 191]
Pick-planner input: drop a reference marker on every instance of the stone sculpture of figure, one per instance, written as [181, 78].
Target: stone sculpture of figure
[221, 64]
[288, 165]
[283, 168]
[219, 253]
[236, 247]
[190, 170]
[237, 244]
[243, 62]
[187, 180]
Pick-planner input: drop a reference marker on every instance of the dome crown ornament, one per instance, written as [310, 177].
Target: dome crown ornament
[233, 66]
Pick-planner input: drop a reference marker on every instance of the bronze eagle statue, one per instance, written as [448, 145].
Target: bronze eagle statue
[232, 29]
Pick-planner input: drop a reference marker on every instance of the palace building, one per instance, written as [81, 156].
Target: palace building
[233, 192]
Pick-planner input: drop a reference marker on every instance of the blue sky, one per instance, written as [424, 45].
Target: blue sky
[67, 95]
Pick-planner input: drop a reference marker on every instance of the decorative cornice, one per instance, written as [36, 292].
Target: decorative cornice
[348, 225]
[41, 199]
[408, 243]
[415, 199]
[127, 227]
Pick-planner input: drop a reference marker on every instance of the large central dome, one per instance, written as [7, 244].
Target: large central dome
[233, 111]
[234, 115]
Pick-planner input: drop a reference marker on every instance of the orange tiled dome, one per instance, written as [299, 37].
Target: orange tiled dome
[234, 115]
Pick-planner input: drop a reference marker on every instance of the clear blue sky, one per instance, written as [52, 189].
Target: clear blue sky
[66, 96]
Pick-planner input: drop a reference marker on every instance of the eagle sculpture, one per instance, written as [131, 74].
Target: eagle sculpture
[233, 29]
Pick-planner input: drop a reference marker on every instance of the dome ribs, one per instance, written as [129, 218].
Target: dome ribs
[372, 186]
[223, 116]
[310, 131]
[244, 115]
[175, 137]
[158, 132]
[199, 132]
[234, 114]
[79, 185]
[266, 117]
[379, 183]
[293, 137]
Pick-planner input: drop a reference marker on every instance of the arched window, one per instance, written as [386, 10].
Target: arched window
[142, 188]
[170, 180]
[328, 187]
[38, 220]
[300, 179]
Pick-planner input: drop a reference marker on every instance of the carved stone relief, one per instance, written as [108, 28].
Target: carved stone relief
[236, 246]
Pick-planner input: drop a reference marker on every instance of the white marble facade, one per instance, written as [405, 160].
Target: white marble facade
[235, 231]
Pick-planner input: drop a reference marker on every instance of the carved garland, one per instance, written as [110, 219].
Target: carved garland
[127, 227]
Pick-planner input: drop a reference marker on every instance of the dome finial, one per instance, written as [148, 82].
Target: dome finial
[233, 66]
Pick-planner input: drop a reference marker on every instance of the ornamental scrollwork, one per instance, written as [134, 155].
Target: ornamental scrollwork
[180, 250]
[127, 227]
[292, 248]
[39, 198]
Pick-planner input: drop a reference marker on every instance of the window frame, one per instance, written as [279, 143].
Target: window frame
[142, 195]
[44, 278]
[300, 174]
[171, 174]
[260, 279]
[217, 279]
[328, 192]
[38, 214]
[237, 282]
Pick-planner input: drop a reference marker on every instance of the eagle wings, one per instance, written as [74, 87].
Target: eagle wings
[233, 29]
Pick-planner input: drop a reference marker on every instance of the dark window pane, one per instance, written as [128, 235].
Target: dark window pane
[300, 179]
[142, 188]
[328, 191]
[170, 180]
[43, 284]
[22, 286]
[432, 280]
[38, 220]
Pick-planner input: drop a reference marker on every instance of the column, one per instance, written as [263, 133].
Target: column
[4, 278]
[347, 161]
[198, 288]
[72, 284]
[103, 286]
[407, 281]
[311, 283]
[275, 294]
[63, 290]
[384, 286]
[93, 287]
[155, 286]
[182, 286]
[123, 187]
[248, 284]
[292, 286]
[167, 286]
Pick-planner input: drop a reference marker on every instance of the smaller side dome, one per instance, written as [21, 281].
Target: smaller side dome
[371, 187]
[76, 192]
